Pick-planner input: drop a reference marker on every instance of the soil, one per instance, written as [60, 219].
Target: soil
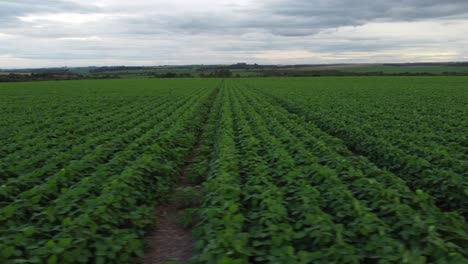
[169, 241]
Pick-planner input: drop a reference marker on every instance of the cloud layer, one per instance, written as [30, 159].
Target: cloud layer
[148, 32]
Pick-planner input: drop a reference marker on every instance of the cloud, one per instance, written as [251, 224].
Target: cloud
[342, 12]
[10, 10]
[88, 38]
[5, 36]
[74, 32]
[66, 18]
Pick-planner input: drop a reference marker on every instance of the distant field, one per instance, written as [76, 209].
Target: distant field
[404, 69]
[20, 73]
[235, 70]
[388, 69]
[293, 170]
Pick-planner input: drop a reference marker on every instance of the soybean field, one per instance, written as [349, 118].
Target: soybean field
[260, 170]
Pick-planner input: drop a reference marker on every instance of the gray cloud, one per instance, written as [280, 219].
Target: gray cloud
[306, 17]
[11, 10]
[359, 11]
[209, 31]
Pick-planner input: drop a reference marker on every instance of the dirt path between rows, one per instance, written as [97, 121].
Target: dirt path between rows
[169, 241]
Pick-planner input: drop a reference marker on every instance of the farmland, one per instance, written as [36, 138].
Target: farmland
[291, 170]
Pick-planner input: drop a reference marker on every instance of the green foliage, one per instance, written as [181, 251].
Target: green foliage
[187, 218]
[187, 197]
[281, 190]
[90, 164]
[414, 127]
[318, 170]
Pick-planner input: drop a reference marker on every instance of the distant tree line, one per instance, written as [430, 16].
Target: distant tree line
[220, 73]
[207, 72]
[276, 73]
[172, 75]
[116, 68]
[50, 76]
[452, 64]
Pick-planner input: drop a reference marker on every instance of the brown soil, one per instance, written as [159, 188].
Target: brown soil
[169, 241]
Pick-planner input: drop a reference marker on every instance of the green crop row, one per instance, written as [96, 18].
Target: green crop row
[96, 201]
[295, 194]
[294, 170]
[419, 132]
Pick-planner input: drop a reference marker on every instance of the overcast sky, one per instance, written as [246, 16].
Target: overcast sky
[49, 33]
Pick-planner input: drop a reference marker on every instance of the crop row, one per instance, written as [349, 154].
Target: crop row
[75, 134]
[97, 207]
[281, 190]
[291, 173]
[397, 136]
